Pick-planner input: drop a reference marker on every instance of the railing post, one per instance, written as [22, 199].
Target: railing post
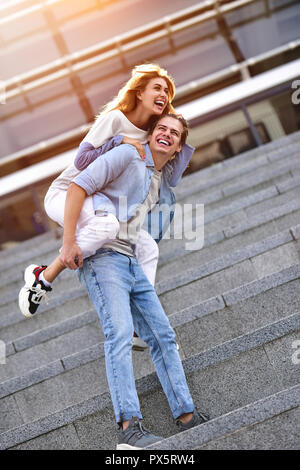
[253, 129]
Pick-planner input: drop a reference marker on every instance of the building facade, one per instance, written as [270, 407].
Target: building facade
[236, 66]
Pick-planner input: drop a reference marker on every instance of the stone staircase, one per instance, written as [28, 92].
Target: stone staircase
[234, 305]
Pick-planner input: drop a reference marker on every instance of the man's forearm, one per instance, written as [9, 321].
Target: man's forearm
[74, 202]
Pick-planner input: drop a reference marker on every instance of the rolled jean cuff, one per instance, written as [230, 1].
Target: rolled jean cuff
[180, 411]
[127, 416]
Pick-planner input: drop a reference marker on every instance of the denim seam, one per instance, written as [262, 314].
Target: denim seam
[132, 273]
[163, 355]
[110, 356]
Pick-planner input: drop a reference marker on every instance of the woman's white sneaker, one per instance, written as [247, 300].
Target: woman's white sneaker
[33, 292]
[139, 345]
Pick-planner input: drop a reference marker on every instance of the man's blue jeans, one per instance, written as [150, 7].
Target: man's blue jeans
[127, 302]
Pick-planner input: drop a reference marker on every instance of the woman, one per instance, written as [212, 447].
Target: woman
[147, 94]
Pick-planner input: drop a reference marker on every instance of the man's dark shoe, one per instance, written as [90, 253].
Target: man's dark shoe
[197, 418]
[135, 437]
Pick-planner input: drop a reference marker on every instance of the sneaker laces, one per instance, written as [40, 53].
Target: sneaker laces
[142, 431]
[139, 429]
[40, 293]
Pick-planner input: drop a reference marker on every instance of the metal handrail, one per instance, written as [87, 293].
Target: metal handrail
[227, 72]
[26, 11]
[78, 61]
[11, 4]
[181, 92]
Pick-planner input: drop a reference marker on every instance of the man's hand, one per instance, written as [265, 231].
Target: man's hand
[136, 144]
[71, 255]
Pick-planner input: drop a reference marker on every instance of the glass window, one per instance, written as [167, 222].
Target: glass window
[111, 18]
[199, 59]
[225, 137]
[279, 114]
[22, 215]
[259, 29]
[39, 123]
[21, 26]
[19, 219]
[100, 92]
[20, 57]
[209, 138]
[243, 140]
[189, 54]
[67, 9]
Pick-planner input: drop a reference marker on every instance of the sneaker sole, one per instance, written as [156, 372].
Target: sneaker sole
[138, 344]
[127, 447]
[22, 304]
[137, 347]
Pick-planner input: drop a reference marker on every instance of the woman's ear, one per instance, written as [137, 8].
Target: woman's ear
[139, 95]
[179, 148]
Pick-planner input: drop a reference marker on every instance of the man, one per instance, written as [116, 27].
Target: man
[121, 293]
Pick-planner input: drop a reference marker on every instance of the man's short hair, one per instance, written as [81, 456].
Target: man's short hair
[180, 118]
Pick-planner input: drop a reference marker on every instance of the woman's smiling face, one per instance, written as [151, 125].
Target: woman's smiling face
[154, 98]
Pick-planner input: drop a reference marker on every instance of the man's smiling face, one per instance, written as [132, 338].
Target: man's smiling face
[166, 137]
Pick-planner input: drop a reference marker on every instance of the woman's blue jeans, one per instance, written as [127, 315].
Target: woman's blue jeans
[127, 302]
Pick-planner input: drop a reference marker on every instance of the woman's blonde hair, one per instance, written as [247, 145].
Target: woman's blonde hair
[126, 100]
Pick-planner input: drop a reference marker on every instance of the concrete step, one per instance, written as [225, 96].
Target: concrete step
[9, 254]
[267, 424]
[62, 307]
[280, 170]
[9, 305]
[242, 163]
[178, 293]
[269, 186]
[237, 169]
[237, 213]
[78, 341]
[279, 217]
[274, 219]
[19, 259]
[267, 154]
[258, 178]
[9, 312]
[232, 375]
[232, 270]
[183, 261]
[233, 305]
[267, 255]
[269, 193]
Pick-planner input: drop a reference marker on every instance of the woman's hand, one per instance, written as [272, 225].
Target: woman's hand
[71, 255]
[136, 144]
